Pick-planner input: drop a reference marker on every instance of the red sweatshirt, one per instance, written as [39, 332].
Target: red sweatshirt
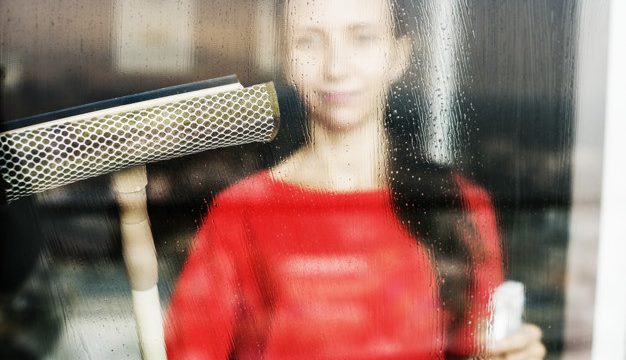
[282, 272]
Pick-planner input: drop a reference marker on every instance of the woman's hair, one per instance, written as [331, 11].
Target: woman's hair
[425, 196]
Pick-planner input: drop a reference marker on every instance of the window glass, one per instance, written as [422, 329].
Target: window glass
[424, 156]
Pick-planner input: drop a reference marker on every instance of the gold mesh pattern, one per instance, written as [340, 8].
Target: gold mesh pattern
[46, 156]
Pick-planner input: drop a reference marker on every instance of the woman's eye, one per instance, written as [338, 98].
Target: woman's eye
[365, 38]
[307, 41]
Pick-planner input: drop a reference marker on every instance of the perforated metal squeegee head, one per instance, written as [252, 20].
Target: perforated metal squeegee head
[43, 156]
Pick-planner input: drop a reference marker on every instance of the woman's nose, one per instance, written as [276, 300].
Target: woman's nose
[336, 61]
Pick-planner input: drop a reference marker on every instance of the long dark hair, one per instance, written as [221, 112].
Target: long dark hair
[425, 196]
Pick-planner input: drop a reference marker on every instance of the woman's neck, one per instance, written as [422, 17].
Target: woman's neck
[349, 160]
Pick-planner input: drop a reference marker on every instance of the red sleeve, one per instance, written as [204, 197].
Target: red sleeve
[201, 315]
[483, 242]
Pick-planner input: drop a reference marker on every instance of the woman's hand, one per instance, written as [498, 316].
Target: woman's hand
[525, 344]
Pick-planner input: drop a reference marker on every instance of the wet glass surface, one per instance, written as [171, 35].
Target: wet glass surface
[378, 110]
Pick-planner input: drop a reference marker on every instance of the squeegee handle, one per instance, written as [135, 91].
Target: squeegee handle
[140, 259]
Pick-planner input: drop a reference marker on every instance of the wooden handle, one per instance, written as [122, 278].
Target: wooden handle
[140, 259]
[137, 243]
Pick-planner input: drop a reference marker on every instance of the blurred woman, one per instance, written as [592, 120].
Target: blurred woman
[354, 246]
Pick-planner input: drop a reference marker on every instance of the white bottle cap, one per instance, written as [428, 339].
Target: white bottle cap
[507, 305]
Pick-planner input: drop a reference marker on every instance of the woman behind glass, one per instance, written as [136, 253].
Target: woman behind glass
[352, 247]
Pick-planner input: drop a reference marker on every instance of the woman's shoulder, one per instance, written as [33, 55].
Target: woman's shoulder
[472, 193]
[252, 188]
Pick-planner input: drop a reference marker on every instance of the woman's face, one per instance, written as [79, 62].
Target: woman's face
[342, 57]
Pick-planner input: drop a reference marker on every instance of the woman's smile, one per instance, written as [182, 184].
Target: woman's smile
[335, 97]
